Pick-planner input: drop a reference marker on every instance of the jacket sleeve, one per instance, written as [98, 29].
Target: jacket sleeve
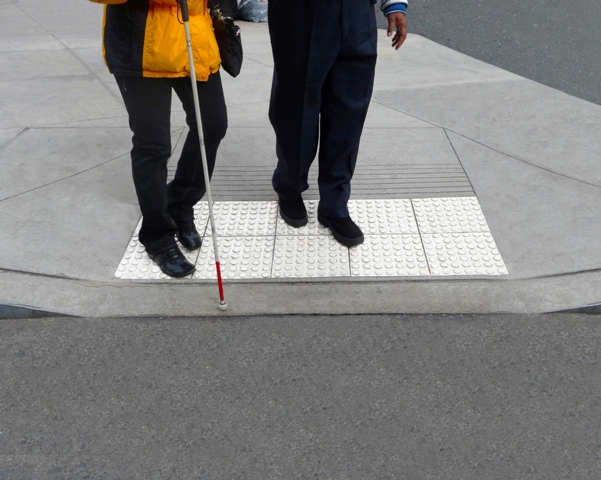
[392, 6]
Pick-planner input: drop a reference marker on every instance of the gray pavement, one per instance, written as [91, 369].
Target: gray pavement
[68, 211]
[549, 41]
[294, 397]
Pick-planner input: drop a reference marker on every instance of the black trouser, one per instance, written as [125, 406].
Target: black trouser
[324, 57]
[148, 103]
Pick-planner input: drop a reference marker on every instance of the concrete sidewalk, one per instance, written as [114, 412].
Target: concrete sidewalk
[446, 135]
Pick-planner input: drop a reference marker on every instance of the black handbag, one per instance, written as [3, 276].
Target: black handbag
[228, 38]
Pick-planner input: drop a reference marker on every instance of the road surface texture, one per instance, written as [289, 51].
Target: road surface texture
[548, 41]
[302, 397]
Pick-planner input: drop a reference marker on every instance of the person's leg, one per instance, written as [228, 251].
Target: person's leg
[188, 185]
[296, 89]
[346, 95]
[150, 124]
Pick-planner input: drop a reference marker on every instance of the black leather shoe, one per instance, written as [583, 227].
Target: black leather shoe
[187, 234]
[293, 212]
[172, 262]
[344, 229]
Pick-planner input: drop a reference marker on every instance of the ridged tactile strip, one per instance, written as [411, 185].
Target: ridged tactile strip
[369, 182]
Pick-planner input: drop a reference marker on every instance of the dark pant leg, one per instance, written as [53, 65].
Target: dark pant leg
[296, 88]
[346, 95]
[188, 185]
[148, 103]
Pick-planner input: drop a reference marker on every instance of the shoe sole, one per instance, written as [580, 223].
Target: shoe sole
[349, 242]
[294, 222]
[179, 276]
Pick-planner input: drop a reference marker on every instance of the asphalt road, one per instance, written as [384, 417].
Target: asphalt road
[301, 397]
[549, 41]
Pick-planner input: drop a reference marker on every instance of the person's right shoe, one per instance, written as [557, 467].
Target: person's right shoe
[344, 229]
[172, 262]
[293, 212]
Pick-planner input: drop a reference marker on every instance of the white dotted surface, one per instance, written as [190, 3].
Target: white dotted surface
[389, 255]
[446, 215]
[383, 216]
[136, 264]
[309, 256]
[403, 238]
[240, 257]
[463, 254]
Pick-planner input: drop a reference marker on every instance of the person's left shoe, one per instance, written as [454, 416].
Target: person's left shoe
[172, 262]
[187, 234]
[344, 230]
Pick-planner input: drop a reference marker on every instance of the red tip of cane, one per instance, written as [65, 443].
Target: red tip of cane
[220, 283]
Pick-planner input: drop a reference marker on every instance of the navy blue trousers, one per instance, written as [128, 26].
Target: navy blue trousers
[324, 63]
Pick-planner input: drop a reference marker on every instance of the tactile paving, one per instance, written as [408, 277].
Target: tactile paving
[137, 265]
[383, 216]
[463, 254]
[240, 258]
[448, 215]
[309, 256]
[313, 227]
[417, 237]
[243, 219]
[389, 255]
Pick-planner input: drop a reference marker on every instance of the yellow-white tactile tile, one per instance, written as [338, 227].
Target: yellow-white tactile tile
[463, 254]
[309, 256]
[389, 255]
[240, 258]
[449, 215]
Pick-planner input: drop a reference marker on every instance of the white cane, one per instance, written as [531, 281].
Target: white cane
[185, 17]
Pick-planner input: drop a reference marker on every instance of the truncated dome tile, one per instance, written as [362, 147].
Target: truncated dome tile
[447, 215]
[137, 265]
[389, 255]
[313, 227]
[453, 232]
[240, 258]
[236, 219]
[309, 256]
[463, 254]
[383, 216]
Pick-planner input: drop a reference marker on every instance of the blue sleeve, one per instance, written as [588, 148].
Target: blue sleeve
[392, 6]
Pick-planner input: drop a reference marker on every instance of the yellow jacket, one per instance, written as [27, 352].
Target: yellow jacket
[146, 38]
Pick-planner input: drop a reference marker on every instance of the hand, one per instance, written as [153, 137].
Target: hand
[399, 21]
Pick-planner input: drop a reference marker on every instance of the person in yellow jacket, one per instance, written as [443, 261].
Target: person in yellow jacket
[144, 46]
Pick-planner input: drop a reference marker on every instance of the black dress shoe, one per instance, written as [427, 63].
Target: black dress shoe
[344, 229]
[172, 262]
[293, 212]
[187, 234]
